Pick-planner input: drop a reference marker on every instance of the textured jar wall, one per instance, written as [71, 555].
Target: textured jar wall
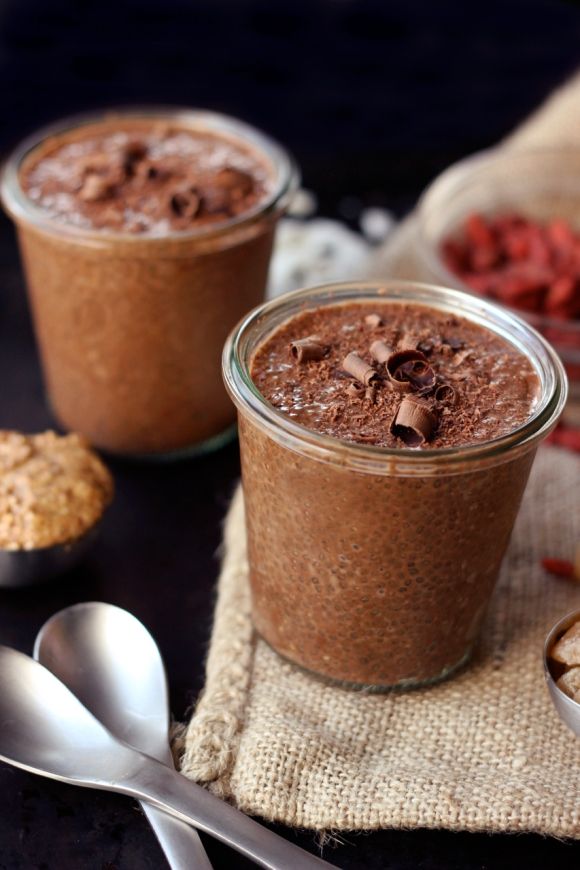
[367, 578]
[131, 344]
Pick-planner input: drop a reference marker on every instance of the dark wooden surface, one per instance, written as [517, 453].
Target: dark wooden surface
[374, 98]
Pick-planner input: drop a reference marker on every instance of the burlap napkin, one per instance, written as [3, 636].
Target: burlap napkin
[483, 751]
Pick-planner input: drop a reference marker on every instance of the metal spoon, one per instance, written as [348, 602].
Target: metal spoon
[45, 729]
[568, 710]
[108, 659]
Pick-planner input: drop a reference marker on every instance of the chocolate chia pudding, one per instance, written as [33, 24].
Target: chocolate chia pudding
[386, 434]
[145, 236]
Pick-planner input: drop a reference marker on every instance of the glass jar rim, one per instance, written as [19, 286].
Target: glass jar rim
[286, 173]
[382, 460]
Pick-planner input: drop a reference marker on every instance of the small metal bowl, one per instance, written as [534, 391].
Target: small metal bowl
[20, 568]
[567, 709]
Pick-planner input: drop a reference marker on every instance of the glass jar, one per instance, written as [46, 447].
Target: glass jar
[539, 184]
[131, 326]
[371, 566]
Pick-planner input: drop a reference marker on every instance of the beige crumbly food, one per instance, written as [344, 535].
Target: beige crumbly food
[53, 489]
[569, 682]
[567, 649]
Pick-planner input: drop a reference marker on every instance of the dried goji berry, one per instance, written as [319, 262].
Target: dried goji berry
[521, 262]
[560, 233]
[558, 567]
[568, 438]
[561, 297]
[478, 231]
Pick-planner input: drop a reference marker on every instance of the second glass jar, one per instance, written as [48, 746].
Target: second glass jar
[131, 327]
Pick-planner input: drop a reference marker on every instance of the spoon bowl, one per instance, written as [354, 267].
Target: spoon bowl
[108, 659]
[45, 729]
[568, 710]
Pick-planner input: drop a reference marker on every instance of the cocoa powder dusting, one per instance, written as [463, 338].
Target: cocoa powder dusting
[483, 386]
[152, 178]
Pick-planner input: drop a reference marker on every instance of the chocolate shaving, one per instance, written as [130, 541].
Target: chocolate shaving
[221, 192]
[95, 187]
[380, 351]
[359, 369]
[354, 390]
[445, 393]
[426, 346]
[240, 183]
[409, 369]
[133, 153]
[185, 202]
[461, 356]
[414, 422]
[374, 320]
[98, 164]
[418, 372]
[408, 342]
[159, 169]
[371, 393]
[310, 348]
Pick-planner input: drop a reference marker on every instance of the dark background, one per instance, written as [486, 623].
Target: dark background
[373, 96]
[374, 99]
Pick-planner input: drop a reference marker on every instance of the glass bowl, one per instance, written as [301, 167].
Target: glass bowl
[541, 185]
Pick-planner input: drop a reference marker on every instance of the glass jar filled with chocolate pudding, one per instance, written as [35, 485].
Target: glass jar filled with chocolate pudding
[387, 433]
[145, 236]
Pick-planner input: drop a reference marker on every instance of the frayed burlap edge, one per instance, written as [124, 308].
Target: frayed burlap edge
[483, 751]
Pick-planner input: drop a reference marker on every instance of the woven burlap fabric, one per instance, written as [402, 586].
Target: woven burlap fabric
[483, 751]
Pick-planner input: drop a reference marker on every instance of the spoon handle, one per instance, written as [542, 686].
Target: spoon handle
[180, 843]
[173, 793]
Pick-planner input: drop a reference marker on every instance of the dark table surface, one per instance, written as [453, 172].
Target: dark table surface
[157, 558]
[374, 98]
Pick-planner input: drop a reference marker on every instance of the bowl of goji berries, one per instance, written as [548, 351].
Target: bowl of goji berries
[505, 224]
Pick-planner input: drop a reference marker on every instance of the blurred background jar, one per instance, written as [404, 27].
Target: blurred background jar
[131, 325]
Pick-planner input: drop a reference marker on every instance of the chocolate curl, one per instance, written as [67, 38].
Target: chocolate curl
[374, 320]
[414, 422]
[359, 369]
[461, 356]
[310, 348]
[185, 202]
[95, 188]
[371, 393]
[221, 191]
[418, 372]
[133, 153]
[380, 351]
[408, 369]
[426, 346]
[445, 393]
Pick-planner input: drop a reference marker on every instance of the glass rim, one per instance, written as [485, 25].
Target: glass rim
[372, 458]
[285, 170]
[455, 178]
